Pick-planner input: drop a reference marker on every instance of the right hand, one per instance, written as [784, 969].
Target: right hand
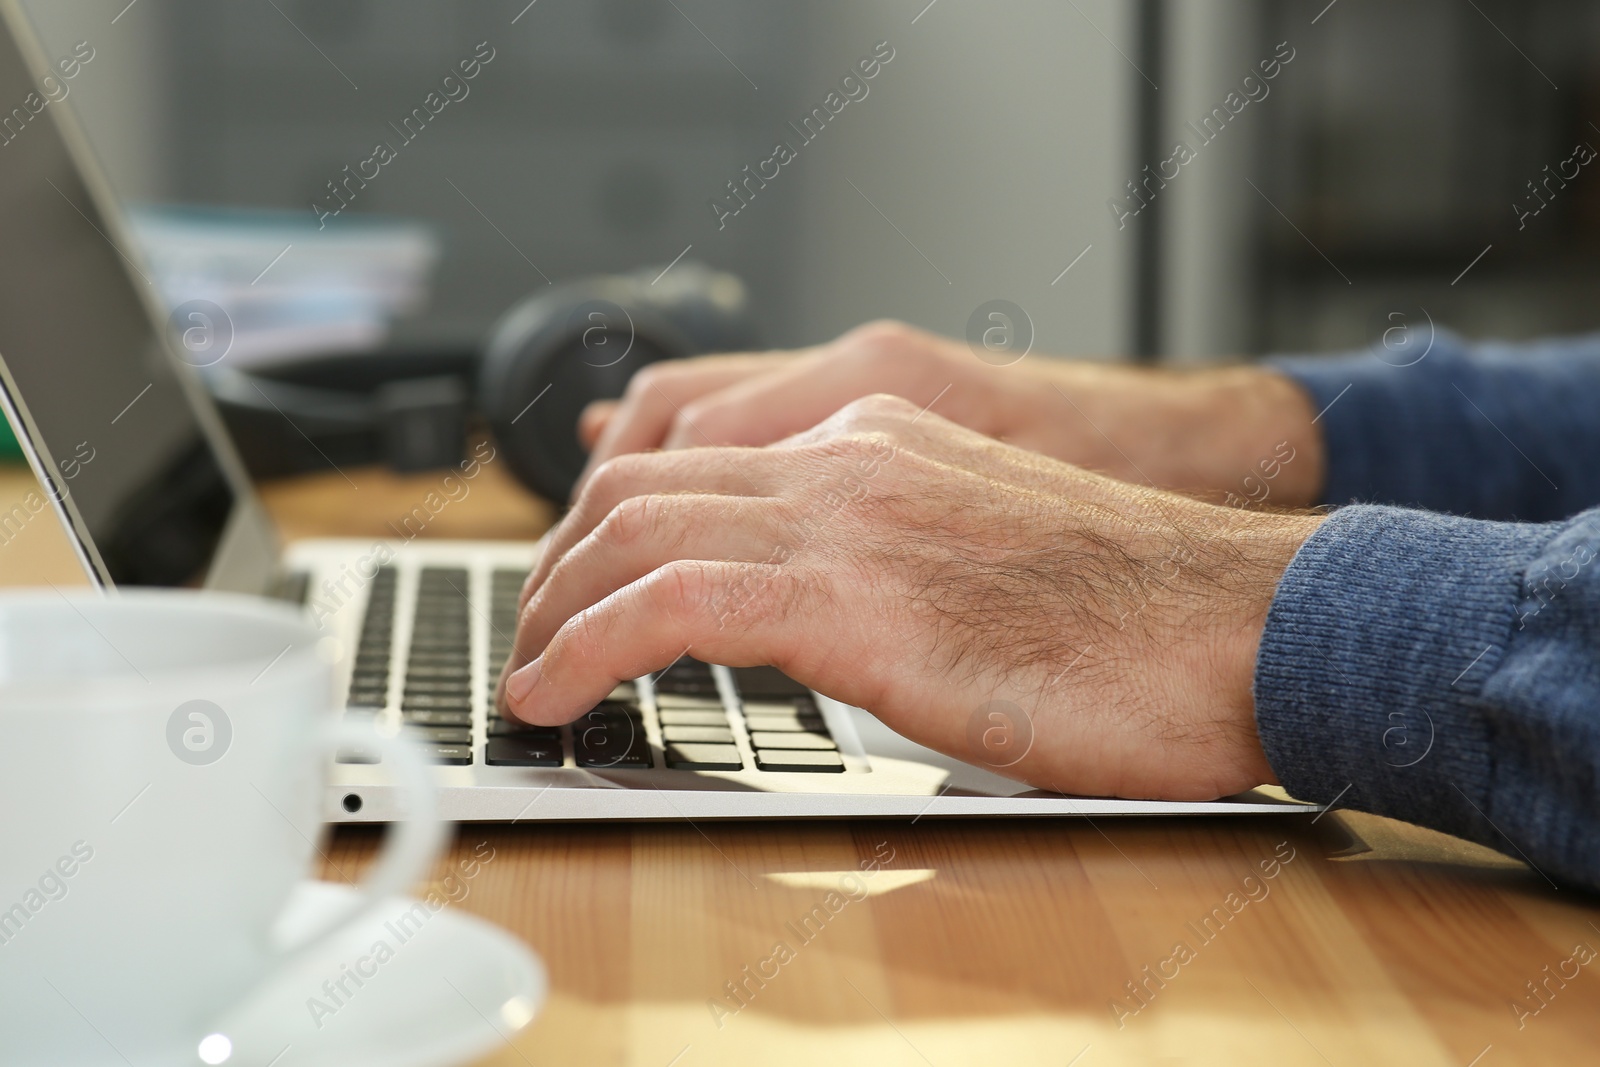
[920, 570]
[1240, 435]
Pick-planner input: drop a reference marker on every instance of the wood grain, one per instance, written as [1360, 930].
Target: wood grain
[991, 942]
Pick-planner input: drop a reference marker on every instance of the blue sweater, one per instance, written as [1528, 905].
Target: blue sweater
[1442, 666]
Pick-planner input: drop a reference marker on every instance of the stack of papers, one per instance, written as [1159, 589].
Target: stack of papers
[288, 288]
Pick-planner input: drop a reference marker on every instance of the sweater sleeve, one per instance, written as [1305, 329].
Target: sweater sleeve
[1496, 431]
[1444, 671]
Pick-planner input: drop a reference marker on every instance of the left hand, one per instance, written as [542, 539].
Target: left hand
[900, 563]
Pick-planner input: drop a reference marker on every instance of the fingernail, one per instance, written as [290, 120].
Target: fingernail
[521, 682]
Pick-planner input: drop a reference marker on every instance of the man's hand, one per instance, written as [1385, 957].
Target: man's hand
[898, 562]
[1235, 434]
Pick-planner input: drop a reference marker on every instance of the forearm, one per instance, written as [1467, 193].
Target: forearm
[1444, 671]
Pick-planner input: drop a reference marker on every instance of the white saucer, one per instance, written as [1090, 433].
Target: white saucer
[449, 989]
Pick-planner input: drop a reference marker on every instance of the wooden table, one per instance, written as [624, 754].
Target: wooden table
[989, 942]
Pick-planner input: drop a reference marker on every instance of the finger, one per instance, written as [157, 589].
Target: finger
[645, 626]
[895, 427]
[796, 396]
[641, 535]
[653, 398]
[592, 423]
[693, 471]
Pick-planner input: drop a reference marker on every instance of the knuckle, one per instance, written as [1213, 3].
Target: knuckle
[851, 446]
[880, 410]
[631, 521]
[680, 589]
[888, 404]
[648, 379]
[572, 642]
[612, 477]
[883, 338]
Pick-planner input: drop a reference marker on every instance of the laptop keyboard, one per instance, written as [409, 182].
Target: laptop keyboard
[696, 721]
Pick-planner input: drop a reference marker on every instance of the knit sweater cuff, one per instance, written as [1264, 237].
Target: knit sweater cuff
[1376, 647]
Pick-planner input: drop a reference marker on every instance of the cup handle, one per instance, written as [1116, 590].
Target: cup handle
[411, 844]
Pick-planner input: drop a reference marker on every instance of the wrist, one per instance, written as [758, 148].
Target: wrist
[1241, 435]
[1265, 548]
[1269, 425]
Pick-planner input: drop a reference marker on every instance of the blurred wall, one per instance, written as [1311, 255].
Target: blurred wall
[981, 168]
[1206, 275]
[984, 158]
[602, 130]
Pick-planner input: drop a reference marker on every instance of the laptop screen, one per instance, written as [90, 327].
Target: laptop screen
[87, 362]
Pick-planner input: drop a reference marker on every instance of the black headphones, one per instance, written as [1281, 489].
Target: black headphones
[546, 359]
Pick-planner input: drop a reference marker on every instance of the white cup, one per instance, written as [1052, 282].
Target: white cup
[162, 767]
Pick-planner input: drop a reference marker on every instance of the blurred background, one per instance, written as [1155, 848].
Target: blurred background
[1394, 163]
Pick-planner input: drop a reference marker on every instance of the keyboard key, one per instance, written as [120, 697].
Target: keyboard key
[441, 575]
[795, 706]
[714, 734]
[367, 698]
[436, 702]
[453, 650]
[499, 727]
[694, 757]
[625, 692]
[794, 741]
[421, 671]
[606, 712]
[780, 703]
[693, 717]
[437, 718]
[454, 657]
[440, 632]
[686, 667]
[357, 755]
[523, 752]
[687, 676]
[786, 724]
[775, 760]
[598, 733]
[602, 749]
[437, 686]
[688, 702]
[758, 682]
[442, 735]
[705, 690]
[459, 660]
[448, 755]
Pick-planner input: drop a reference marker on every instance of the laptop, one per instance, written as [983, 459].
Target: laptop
[139, 467]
